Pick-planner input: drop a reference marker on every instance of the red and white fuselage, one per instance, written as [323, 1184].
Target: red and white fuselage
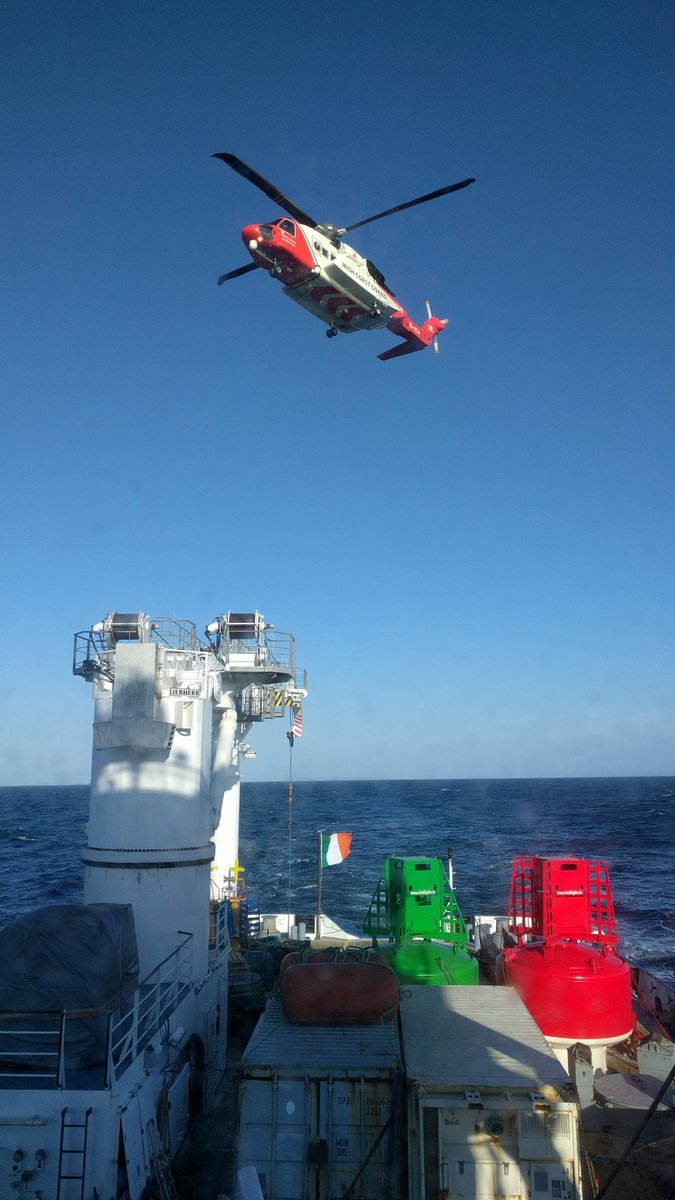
[333, 282]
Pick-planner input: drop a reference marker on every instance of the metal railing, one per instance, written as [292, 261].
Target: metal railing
[94, 650]
[32, 1048]
[219, 934]
[137, 1018]
[270, 651]
[262, 700]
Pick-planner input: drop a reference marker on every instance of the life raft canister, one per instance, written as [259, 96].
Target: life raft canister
[337, 987]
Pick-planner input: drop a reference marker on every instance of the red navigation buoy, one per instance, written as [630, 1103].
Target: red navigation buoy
[565, 966]
[575, 992]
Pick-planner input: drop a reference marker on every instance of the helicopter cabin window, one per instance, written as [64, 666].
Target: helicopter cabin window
[287, 226]
[375, 273]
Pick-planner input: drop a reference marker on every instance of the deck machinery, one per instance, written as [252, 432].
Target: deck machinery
[414, 907]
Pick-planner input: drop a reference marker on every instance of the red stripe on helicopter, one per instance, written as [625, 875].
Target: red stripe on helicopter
[350, 314]
[335, 302]
[342, 302]
[319, 294]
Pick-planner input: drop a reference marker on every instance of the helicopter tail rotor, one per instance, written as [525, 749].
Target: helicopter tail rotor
[435, 325]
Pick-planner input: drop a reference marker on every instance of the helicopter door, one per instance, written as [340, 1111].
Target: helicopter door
[300, 258]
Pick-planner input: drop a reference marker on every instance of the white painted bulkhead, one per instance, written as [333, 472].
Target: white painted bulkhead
[225, 794]
[57, 1142]
[151, 818]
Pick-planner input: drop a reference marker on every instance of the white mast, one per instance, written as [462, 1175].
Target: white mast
[170, 713]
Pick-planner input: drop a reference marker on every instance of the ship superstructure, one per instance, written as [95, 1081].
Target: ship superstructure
[101, 1115]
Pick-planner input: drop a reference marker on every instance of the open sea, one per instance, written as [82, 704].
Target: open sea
[628, 822]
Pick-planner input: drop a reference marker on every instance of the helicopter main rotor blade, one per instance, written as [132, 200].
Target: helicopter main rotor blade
[239, 271]
[268, 188]
[454, 187]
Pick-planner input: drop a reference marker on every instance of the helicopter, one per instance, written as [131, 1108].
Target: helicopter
[326, 276]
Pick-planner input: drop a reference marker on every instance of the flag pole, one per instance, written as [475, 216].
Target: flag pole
[319, 868]
[289, 735]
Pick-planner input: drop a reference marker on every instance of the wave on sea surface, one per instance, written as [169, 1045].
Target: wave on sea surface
[483, 823]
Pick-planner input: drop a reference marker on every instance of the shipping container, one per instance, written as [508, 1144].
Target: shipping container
[319, 1106]
[491, 1111]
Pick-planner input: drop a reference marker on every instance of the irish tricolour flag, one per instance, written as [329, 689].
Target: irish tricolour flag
[334, 848]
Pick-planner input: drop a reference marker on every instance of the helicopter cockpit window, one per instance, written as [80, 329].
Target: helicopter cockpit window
[287, 226]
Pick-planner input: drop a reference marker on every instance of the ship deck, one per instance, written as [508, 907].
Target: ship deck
[207, 1167]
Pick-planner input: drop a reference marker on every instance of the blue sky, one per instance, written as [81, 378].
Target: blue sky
[475, 549]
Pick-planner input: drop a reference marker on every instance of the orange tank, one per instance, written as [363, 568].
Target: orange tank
[337, 987]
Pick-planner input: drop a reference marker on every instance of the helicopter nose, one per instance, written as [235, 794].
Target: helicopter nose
[250, 236]
[256, 235]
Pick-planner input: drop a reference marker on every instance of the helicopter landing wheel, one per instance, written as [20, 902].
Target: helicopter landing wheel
[331, 332]
[376, 311]
[275, 270]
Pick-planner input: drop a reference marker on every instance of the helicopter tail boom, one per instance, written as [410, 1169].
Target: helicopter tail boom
[417, 337]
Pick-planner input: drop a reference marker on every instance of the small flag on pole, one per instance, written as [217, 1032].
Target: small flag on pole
[297, 722]
[335, 848]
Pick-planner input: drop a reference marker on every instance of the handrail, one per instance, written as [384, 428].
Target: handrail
[219, 935]
[94, 651]
[18, 1046]
[136, 1018]
[33, 1044]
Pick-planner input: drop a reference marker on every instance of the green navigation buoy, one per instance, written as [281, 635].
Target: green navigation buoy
[414, 907]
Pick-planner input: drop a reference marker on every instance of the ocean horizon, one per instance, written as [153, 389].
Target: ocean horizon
[627, 821]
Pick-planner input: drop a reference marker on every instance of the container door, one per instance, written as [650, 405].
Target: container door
[466, 1177]
[275, 1123]
[352, 1113]
[548, 1181]
[549, 1150]
[464, 1160]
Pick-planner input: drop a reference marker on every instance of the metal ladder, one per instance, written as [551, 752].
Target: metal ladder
[78, 1151]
